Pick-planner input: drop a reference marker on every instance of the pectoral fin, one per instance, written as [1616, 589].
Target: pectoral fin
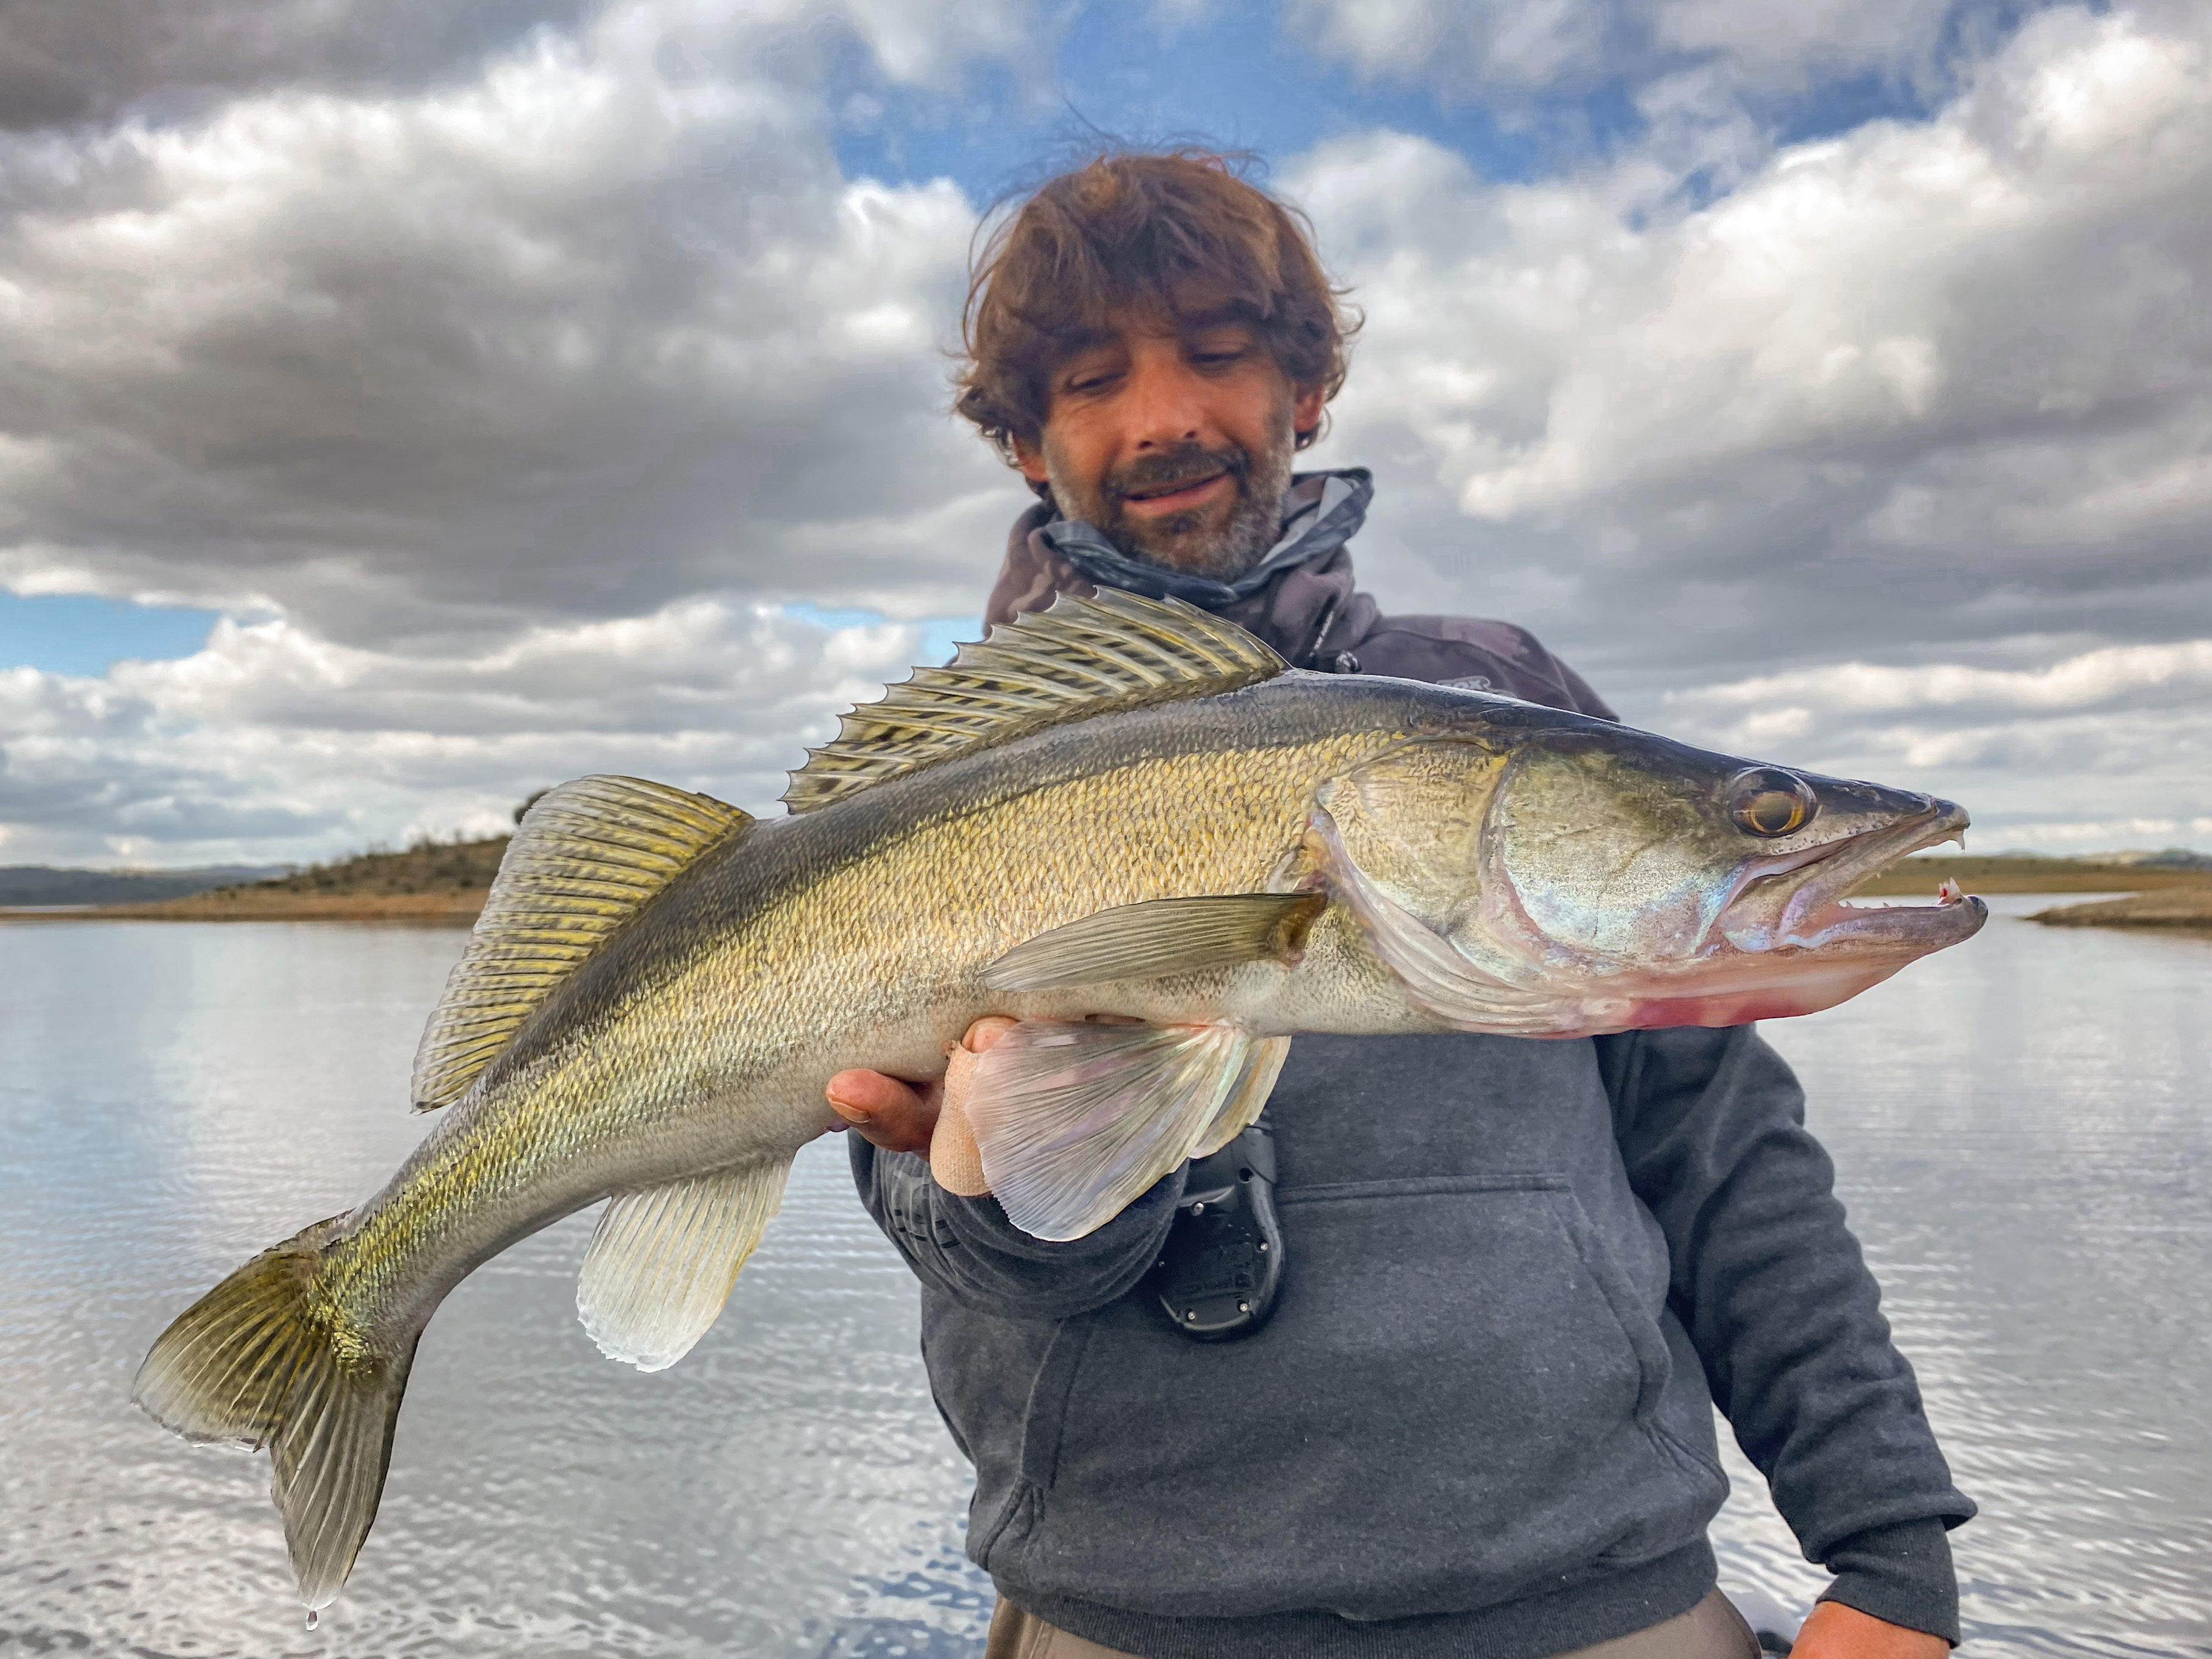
[1076, 1120]
[664, 1260]
[1159, 939]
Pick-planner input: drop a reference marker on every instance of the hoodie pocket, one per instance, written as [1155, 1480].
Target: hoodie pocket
[1509, 1228]
[1458, 1397]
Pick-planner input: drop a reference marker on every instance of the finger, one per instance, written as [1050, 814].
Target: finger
[986, 1031]
[955, 1159]
[884, 1111]
[960, 1063]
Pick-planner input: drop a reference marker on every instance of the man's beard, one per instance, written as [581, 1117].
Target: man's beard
[1185, 541]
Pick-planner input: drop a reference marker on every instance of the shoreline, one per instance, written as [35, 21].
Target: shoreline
[2185, 910]
[454, 910]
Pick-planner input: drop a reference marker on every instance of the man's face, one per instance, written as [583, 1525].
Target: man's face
[1174, 436]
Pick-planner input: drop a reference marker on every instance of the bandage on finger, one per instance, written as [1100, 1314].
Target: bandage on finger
[954, 1158]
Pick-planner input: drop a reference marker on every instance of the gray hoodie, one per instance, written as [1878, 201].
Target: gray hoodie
[1518, 1276]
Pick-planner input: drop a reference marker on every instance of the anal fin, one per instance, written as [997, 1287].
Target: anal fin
[1075, 1119]
[664, 1260]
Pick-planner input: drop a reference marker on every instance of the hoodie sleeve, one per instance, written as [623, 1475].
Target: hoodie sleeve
[966, 1249]
[1777, 1298]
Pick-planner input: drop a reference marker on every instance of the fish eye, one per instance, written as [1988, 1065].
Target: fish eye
[1767, 801]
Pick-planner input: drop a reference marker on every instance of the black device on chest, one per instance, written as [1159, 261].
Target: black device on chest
[1222, 1259]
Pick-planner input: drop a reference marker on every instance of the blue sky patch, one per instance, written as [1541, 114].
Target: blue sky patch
[84, 633]
[941, 635]
[1229, 79]
[1232, 78]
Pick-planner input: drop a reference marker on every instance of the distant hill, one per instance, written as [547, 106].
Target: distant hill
[428, 867]
[431, 881]
[42, 884]
[2177, 906]
[2170, 858]
[443, 881]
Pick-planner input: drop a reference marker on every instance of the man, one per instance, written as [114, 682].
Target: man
[1518, 1274]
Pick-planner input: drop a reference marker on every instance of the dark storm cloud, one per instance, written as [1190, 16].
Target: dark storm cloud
[65, 62]
[572, 342]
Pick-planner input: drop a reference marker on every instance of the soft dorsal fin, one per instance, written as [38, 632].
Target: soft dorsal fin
[1081, 657]
[587, 857]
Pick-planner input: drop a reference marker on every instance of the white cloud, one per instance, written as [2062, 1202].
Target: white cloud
[1962, 365]
[1464, 50]
[94, 59]
[1859, 465]
[1459, 48]
[2131, 673]
[501, 412]
[2044, 756]
[273, 743]
[90, 58]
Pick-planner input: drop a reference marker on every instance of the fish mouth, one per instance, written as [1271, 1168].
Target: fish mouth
[1798, 905]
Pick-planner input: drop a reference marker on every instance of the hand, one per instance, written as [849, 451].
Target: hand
[1836, 1631]
[923, 1117]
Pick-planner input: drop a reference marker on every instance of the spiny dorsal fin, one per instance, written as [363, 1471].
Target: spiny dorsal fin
[587, 856]
[1081, 657]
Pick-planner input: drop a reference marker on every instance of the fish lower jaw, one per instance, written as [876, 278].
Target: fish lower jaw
[1838, 925]
[1842, 951]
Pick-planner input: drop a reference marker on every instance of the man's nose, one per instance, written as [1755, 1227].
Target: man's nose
[1166, 400]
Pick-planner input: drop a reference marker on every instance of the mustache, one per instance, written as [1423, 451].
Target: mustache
[1174, 466]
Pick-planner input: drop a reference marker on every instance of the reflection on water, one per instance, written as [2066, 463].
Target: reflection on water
[2022, 1134]
[2019, 1128]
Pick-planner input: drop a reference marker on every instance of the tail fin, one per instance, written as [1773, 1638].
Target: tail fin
[254, 1363]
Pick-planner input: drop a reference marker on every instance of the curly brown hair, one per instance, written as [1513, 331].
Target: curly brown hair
[1140, 230]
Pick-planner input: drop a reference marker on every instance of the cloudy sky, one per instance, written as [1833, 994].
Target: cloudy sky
[408, 404]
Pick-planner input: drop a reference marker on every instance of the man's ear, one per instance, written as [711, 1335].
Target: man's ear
[1305, 409]
[1029, 457]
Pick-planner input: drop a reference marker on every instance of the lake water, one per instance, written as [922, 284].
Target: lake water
[2021, 1127]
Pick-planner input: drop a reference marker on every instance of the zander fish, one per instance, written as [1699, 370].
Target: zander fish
[1115, 808]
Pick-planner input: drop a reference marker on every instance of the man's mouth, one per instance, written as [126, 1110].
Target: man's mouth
[1178, 494]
